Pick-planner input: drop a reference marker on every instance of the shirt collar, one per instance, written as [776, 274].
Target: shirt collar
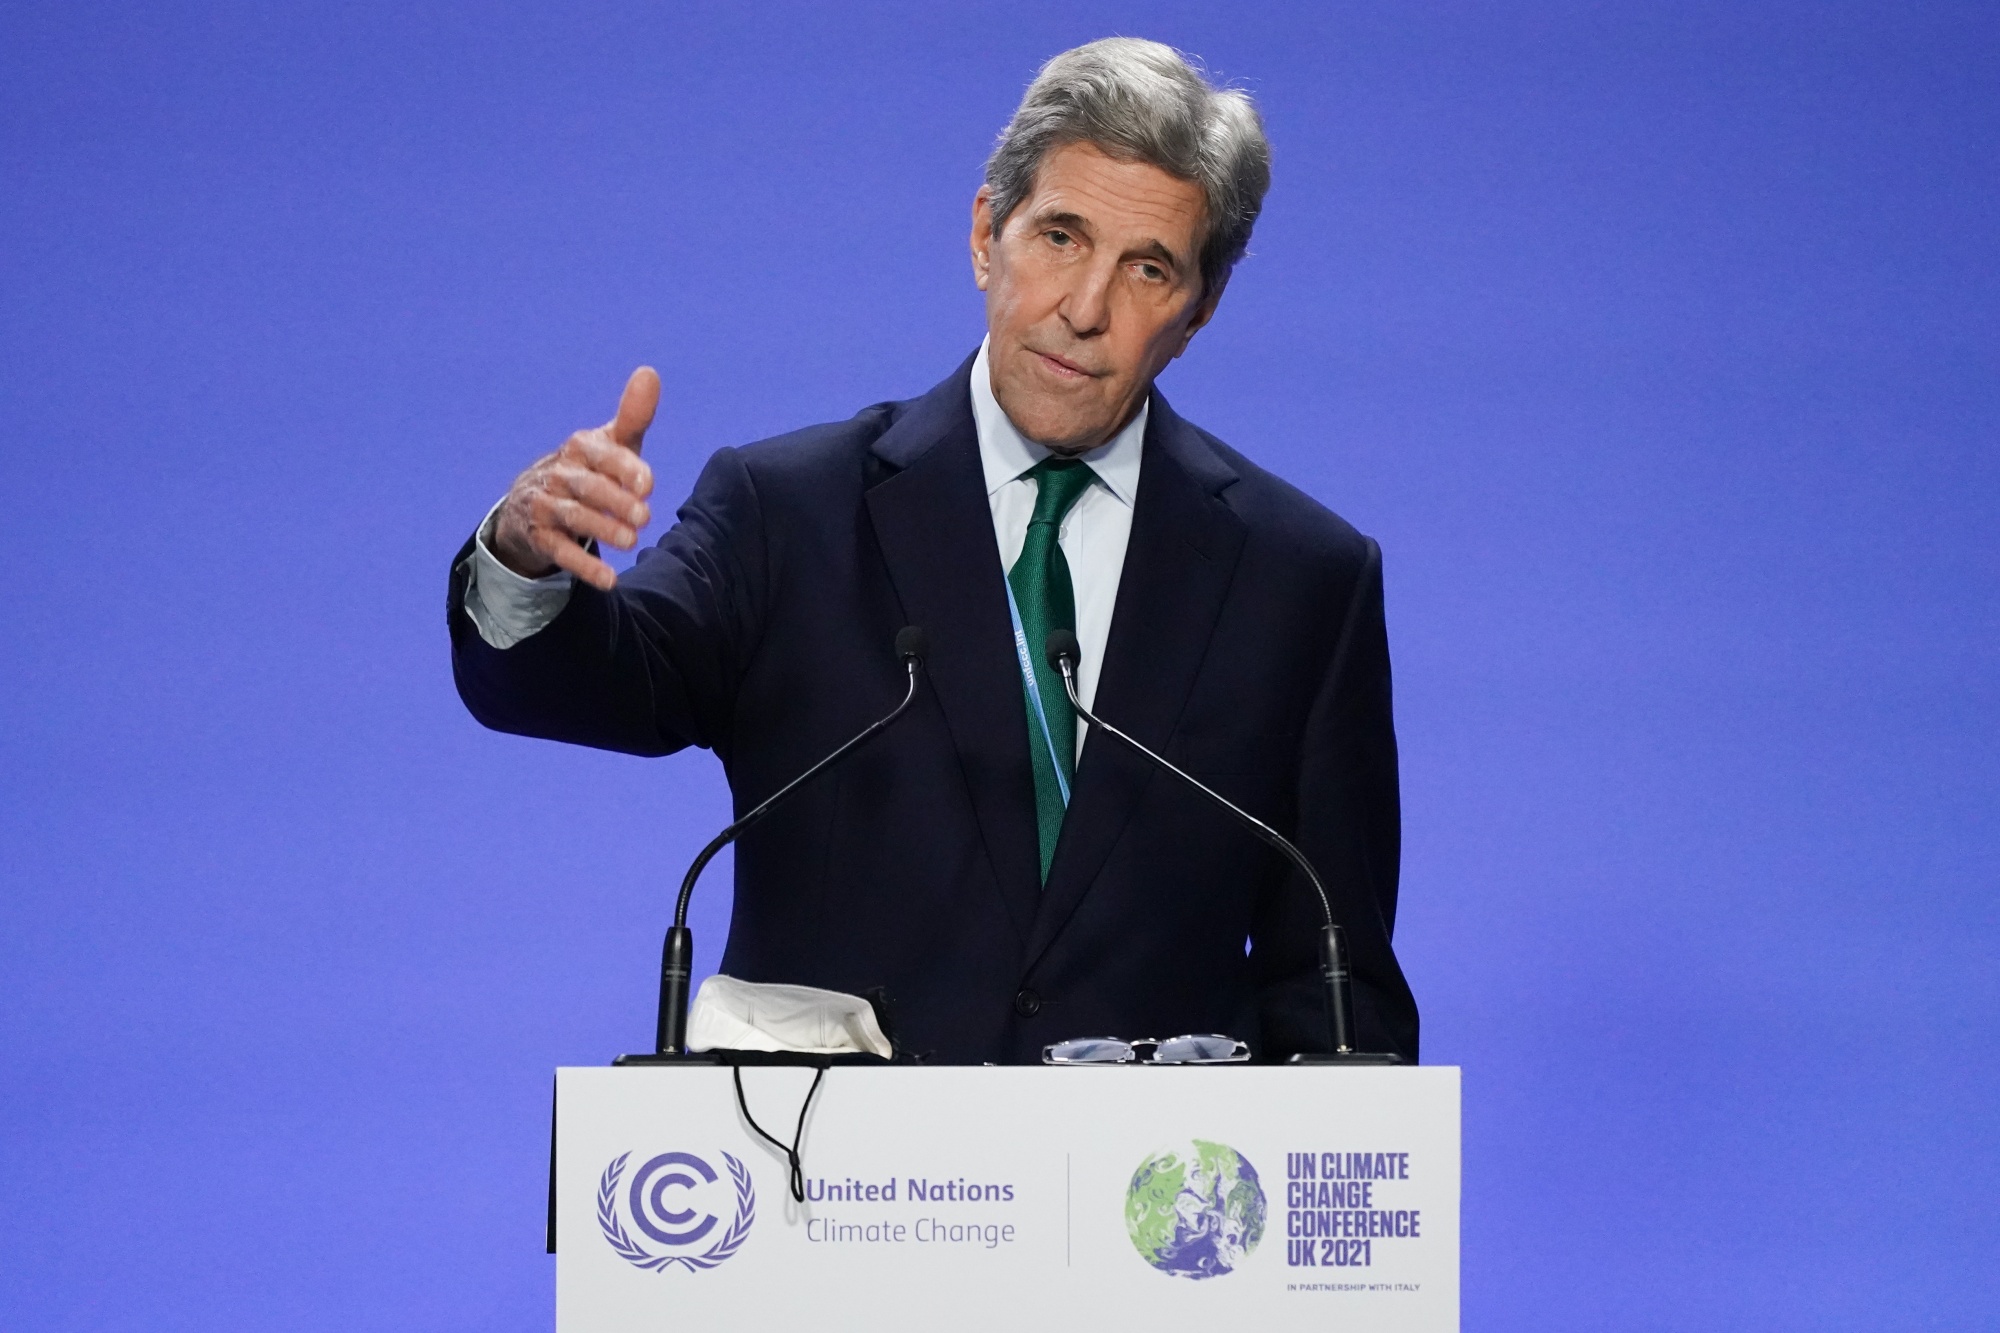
[1005, 453]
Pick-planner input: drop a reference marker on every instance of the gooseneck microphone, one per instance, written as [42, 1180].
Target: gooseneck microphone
[677, 955]
[1064, 653]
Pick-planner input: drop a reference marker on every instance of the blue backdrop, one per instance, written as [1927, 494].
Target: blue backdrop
[1656, 344]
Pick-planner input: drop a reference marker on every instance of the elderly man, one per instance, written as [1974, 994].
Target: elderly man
[1009, 879]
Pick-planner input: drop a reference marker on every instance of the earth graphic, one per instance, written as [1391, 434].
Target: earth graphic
[1195, 1210]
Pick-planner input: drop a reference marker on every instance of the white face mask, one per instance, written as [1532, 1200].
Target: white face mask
[740, 1015]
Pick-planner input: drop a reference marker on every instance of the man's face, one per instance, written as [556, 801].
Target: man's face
[1093, 285]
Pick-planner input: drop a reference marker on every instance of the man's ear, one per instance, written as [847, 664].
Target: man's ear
[1204, 311]
[982, 236]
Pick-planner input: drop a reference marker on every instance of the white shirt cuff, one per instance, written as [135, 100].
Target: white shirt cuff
[506, 607]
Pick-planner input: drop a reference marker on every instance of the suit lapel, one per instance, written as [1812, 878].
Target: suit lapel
[935, 530]
[1178, 565]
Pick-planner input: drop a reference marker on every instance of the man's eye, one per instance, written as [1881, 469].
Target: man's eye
[1059, 237]
[1152, 273]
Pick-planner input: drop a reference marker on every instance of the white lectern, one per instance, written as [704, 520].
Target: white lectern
[1008, 1198]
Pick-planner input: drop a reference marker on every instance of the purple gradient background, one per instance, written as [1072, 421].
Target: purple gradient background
[1656, 344]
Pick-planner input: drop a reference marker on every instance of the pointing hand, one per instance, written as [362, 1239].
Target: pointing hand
[593, 488]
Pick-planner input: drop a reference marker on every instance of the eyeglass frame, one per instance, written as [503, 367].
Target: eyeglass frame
[1239, 1054]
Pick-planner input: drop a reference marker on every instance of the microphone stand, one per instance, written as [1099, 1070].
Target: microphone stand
[677, 955]
[1063, 652]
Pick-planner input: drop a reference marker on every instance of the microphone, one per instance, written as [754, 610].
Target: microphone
[1063, 654]
[677, 955]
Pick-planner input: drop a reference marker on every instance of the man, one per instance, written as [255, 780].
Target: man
[1010, 879]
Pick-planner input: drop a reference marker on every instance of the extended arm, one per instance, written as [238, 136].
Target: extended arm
[651, 664]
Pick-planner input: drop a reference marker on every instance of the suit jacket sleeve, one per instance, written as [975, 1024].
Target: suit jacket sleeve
[1349, 824]
[649, 667]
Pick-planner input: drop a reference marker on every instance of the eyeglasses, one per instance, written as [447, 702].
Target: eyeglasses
[1195, 1049]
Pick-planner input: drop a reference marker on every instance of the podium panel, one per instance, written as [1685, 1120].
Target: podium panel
[1009, 1198]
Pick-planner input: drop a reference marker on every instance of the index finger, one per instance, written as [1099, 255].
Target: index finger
[616, 462]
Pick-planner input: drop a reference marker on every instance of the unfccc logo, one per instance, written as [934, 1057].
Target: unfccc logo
[672, 1200]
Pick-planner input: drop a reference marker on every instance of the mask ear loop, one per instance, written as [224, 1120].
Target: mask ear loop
[792, 1152]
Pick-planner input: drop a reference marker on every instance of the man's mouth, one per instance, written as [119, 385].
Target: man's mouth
[1062, 367]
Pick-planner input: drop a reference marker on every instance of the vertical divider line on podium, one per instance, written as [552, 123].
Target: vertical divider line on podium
[555, 1104]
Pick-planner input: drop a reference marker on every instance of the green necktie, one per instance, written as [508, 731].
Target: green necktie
[1046, 601]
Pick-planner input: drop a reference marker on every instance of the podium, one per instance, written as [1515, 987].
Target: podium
[1017, 1198]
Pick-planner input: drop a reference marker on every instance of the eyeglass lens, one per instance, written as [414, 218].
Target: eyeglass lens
[1195, 1049]
[1092, 1050]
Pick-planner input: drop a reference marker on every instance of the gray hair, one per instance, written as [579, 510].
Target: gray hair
[1139, 101]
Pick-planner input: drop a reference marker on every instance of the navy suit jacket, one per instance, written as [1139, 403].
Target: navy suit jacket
[1247, 645]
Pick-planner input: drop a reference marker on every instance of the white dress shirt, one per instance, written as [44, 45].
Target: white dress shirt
[507, 608]
[1094, 533]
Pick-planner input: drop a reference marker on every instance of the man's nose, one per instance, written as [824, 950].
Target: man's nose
[1086, 307]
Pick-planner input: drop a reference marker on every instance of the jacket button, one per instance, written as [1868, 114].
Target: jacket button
[1027, 1004]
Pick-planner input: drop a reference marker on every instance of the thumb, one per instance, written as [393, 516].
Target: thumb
[635, 408]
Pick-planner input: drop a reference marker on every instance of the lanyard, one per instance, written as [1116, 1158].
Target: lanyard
[1041, 717]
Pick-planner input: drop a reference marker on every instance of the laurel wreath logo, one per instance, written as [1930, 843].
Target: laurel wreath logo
[639, 1257]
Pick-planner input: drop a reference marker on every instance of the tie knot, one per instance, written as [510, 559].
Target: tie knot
[1058, 484]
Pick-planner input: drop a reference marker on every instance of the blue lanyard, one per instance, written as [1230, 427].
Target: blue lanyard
[1027, 662]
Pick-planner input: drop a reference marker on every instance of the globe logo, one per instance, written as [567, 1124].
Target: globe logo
[1195, 1210]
